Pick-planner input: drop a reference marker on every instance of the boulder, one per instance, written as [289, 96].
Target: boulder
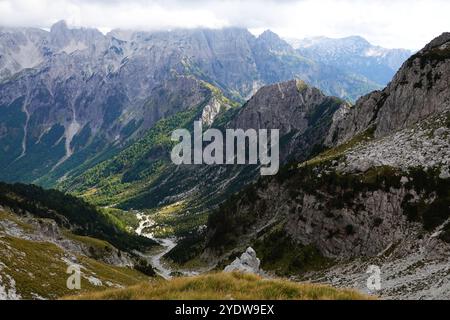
[247, 263]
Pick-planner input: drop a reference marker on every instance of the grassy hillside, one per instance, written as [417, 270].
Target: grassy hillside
[227, 286]
[31, 269]
[71, 213]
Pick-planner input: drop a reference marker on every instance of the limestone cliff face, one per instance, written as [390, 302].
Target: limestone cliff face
[211, 111]
[418, 90]
[75, 92]
[302, 113]
[286, 106]
[367, 226]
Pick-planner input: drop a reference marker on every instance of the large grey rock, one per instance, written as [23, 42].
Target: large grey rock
[247, 263]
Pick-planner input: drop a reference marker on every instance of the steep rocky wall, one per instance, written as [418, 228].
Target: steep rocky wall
[418, 90]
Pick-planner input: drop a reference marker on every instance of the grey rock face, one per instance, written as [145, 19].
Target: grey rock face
[85, 101]
[210, 112]
[418, 90]
[247, 263]
[295, 109]
[371, 229]
[284, 106]
[411, 269]
[421, 145]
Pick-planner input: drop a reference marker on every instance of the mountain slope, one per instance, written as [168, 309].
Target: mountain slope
[70, 213]
[379, 195]
[418, 90]
[34, 265]
[43, 233]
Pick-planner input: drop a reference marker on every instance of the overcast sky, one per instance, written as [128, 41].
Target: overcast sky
[389, 23]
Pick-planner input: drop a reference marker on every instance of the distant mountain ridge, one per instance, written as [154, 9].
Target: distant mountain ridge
[354, 54]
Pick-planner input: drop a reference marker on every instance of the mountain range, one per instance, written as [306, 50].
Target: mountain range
[364, 145]
[73, 97]
[354, 55]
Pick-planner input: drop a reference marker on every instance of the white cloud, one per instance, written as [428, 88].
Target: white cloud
[390, 23]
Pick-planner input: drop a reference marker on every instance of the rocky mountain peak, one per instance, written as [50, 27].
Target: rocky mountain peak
[71, 39]
[269, 35]
[59, 27]
[437, 42]
[273, 42]
[357, 40]
[282, 106]
[418, 90]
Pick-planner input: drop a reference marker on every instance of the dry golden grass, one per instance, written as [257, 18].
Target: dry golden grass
[223, 286]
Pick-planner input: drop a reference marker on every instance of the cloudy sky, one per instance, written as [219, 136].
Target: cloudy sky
[389, 23]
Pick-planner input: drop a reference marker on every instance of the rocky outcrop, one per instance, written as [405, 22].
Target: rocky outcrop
[425, 145]
[418, 90]
[300, 112]
[247, 263]
[210, 112]
[285, 106]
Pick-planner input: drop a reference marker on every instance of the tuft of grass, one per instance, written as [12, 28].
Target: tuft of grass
[225, 286]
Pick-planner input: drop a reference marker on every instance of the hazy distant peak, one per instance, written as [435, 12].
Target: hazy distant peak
[59, 26]
[272, 41]
[268, 34]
